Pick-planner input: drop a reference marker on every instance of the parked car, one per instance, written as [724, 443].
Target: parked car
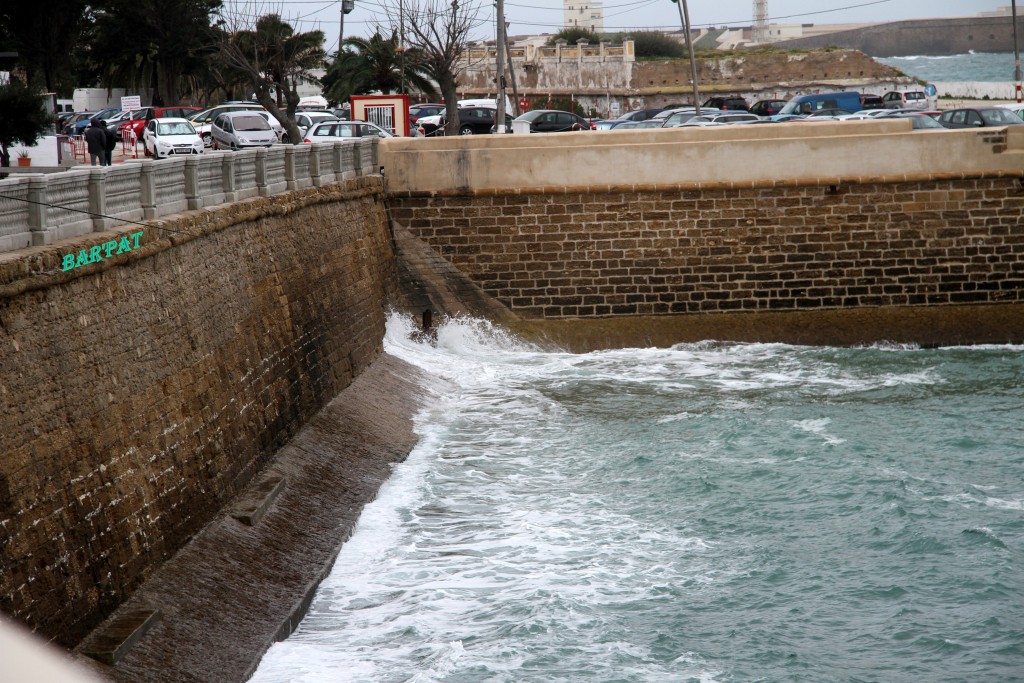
[305, 119]
[418, 111]
[634, 125]
[732, 103]
[69, 125]
[61, 120]
[203, 120]
[472, 121]
[115, 121]
[979, 117]
[872, 102]
[802, 105]
[171, 136]
[610, 124]
[275, 124]
[678, 118]
[140, 117]
[919, 121]
[637, 115]
[241, 129]
[79, 126]
[331, 131]
[829, 113]
[554, 121]
[911, 99]
[720, 119]
[664, 114]
[767, 107]
[640, 114]
[1015, 107]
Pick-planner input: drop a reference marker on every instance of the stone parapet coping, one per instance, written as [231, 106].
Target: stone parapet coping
[36, 268]
[715, 185]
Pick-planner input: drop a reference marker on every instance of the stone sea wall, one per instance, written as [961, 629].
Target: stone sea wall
[140, 393]
[571, 254]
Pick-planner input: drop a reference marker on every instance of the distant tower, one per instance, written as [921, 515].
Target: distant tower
[760, 21]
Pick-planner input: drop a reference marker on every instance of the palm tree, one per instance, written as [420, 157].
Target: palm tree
[377, 63]
[275, 60]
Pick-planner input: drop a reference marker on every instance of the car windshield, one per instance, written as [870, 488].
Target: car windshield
[999, 116]
[250, 122]
[176, 128]
[531, 115]
[681, 117]
[919, 122]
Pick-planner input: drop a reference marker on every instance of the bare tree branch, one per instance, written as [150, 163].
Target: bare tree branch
[439, 29]
[273, 59]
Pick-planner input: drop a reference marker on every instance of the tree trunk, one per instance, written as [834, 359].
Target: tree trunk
[288, 122]
[449, 91]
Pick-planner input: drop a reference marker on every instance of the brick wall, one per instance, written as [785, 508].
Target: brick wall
[569, 253]
[139, 394]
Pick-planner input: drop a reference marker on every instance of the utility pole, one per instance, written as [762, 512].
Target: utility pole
[401, 46]
[346, 7]
[512, 74]
[684, 18]
[1016, 53]
[499, 117]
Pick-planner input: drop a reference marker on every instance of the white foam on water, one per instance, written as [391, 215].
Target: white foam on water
[819, 427]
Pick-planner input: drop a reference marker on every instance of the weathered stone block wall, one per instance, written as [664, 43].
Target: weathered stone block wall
[140, 393]
[733, 248]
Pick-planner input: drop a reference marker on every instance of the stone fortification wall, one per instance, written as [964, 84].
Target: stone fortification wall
[597, 78]
[734, 248]
[786, 218]
[140, 393]
[951, 36]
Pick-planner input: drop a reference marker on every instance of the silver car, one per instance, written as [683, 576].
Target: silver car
[241, 129]
[329, 131]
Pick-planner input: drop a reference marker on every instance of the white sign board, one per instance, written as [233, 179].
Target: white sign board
[615, 106]
[131, 102]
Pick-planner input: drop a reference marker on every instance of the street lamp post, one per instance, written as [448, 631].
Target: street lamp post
[684, 18]
[346, 7]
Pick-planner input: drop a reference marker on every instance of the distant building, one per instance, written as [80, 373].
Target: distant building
[585, 14]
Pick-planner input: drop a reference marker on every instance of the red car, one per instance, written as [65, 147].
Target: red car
[141, 116]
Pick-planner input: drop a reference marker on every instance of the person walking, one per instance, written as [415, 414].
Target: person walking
[96, 139]
[111, 144]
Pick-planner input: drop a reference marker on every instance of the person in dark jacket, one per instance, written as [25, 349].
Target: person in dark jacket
[111, 144]
[96, 139]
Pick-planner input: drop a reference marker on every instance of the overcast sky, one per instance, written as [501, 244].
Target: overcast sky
[545, 16]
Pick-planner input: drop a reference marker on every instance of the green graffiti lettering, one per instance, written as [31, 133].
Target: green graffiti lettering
[125, 245]
[69, 262]
[109, 247]
[94, 254]
[83, 259]
[135, 238]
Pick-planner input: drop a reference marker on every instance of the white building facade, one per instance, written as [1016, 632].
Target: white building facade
[585, 14]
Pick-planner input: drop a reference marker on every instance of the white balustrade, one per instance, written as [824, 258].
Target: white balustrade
[39, 209]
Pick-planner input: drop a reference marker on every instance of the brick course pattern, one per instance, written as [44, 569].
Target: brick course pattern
[138, 395]
[575, 254]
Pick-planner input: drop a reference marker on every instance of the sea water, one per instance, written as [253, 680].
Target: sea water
[974, 66]
[709, 512]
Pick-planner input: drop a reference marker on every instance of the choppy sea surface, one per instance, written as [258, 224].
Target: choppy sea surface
[975, 66]
[711, 512]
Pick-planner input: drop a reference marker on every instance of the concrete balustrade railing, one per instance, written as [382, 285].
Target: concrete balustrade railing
[40, 209]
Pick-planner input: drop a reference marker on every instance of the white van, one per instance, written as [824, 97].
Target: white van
[492, 103]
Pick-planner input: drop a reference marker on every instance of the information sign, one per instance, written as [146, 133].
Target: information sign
[131, 102]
